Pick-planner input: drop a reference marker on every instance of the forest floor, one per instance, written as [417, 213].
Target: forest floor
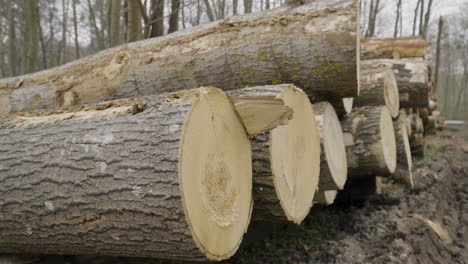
[428, 224]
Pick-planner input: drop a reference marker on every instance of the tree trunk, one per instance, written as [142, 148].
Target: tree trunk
[399, 48]
[33, 38]
[261, 50]
[369, 138]
[12, 53]
[127, 178]
[174, 17]
[404, 160]
[247, 6]
[418, 5]
[235, 4]
[397, 20]
[333, 165]
[209, 11]
[438, 52]
[134, 21]
[115, 22]
[379, 87]
[412, 79]
[157, 18]
[75, 30]
[286, 161]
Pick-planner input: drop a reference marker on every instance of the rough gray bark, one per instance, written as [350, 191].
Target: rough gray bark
[285, 45]
[157, 18]
[364, 148]
[378, 87]
[174, 16]
[105, 186]
[115, 22]
[134, 21]
[412, 77]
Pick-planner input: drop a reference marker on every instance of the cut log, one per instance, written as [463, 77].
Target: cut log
[315, 46]
[403, 172]
[407, 117]
[412, 79]
[394, 48]
[333, 165]
[325, 198]
[286, 161]
[379, 87]
[369, 138]
[170, 181]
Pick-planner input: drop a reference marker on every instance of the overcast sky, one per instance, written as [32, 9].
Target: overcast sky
[387, 17]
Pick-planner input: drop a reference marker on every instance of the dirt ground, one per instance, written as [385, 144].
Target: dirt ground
[428, 224]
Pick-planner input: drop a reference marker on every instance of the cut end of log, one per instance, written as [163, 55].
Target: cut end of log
[333, 172]
[261, 114]
[348, 104]
[388, 142]
[407, 177]
[392, 98]
[215, 175]
[295, 156]
[325, 198]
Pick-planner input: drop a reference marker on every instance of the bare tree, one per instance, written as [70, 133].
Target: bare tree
[134, 21]
[75, 27]
[416, 16]
[373, 12]
[437, 64]
[33, 35]
[174, 16]
[157, 18]
[397, 20]
[427, 18]
[115, 22]
[247, 6]
[234, 7]
[209, 11]
[12, 53]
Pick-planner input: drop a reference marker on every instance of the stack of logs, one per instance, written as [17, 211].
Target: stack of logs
[118, 154]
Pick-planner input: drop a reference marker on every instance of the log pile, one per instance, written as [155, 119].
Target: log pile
[134, 152]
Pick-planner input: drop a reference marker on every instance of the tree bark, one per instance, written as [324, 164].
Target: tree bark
[333, 165]
[209, 11]
[397, 20]
[403, 172]
[115, 22]
[286, 161]
[247, 6]
[33, 38]
[255, 49]
[379, 87]
[157, 18]
[438, 52]
[412, 79]
[75, 31]
[174, 17]
[125, 178]
[12, 53]
[235, 4]
[396, 48]
[369, 138]
[134, 21]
